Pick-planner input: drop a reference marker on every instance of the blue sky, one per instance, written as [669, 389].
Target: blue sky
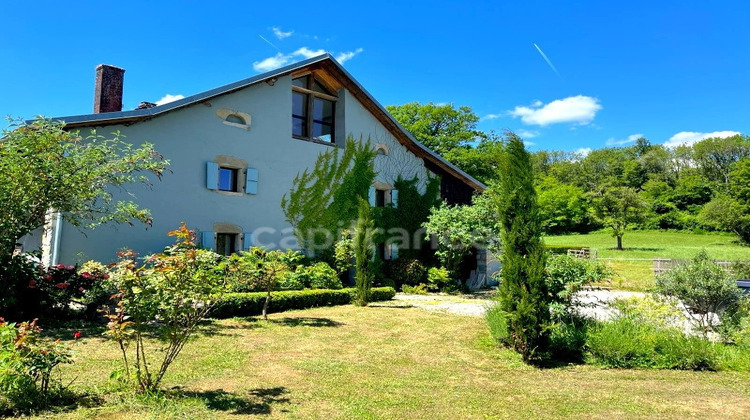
[672, 71]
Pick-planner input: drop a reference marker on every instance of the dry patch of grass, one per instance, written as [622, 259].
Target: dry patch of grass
[390, 363]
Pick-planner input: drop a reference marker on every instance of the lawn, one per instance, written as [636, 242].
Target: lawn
[387, 362]
[633, 265]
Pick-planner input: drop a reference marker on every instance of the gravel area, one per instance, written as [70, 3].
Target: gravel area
[595, 302]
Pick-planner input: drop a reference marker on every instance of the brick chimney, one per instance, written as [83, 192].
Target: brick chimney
[108, 89]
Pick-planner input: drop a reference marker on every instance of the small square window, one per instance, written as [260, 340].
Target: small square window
[228, 179]
[226, 243]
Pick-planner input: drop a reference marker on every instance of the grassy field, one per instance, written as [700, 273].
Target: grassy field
[387, 362]
[633, 265]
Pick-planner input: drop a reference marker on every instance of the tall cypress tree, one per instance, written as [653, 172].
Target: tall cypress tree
[523, 291]
[363, 253]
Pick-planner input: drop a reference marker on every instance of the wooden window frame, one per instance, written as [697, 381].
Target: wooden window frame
[309, 120]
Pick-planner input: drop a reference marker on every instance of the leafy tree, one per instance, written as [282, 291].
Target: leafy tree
[459, 228]
[619, 208]
[43, 167]
[439, 127]
[731, 211]
[363, 253]
[324, 201]
[523, 291]
[563, 208]
[715, 156]
[480, 161]
[172, 292]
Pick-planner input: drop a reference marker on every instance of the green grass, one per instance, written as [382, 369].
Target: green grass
[631, 274]
[655, 244]
[386, 362]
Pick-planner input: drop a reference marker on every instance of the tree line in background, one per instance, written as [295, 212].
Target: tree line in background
[703, 186]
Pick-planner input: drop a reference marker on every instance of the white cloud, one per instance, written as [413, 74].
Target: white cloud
[281, 34]
[490, 117]
[527, 134]
[687, 138]
[168, 98]
[281, 59]
[345, 56]
[272, 63]
[631, 139]
[528, 143]
[583, 151]
[308, 53]
[574, 109]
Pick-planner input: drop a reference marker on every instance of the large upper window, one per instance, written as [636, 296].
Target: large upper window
[313, 109]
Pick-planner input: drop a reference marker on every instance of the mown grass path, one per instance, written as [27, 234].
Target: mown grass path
[388, 362]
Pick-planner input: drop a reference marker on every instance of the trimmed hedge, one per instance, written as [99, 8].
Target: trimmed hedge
[249, 304]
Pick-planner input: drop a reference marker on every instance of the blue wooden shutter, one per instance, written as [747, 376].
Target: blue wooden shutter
[394, 251]
[394, 198]
[371, 197]
[247, 241]
[207, 240]
[251, 181]
[212, 176]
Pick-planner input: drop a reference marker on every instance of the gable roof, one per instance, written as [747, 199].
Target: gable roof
[325, 62]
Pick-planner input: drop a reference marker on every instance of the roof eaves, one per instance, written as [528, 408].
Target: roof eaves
[424, 148]
[138, 114]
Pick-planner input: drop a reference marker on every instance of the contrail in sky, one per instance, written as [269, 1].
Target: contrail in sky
[271, 44]
[544, 56]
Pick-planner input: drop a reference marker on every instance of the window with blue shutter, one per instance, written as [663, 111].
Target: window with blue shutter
[394, 198]
[251, 181]
[212, 176]
[371, 196]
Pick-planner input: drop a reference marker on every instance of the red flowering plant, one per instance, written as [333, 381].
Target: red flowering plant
[26, 364]
[67, 289]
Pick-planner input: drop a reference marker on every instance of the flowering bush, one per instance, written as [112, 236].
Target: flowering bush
[26, 365]
[63, 289]
[177, 288]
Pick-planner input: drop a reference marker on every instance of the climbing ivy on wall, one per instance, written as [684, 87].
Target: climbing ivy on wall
[408, 216]
[324, 201]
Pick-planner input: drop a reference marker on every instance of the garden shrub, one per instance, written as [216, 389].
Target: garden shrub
[420, 289]
[251, 304]
[26, 364]
[405, 272]
[169, 294]
[566, 275]
[322, 276]
[17, 300]
[568, 338]
[438, 279]
[704, 287]
[627, 343]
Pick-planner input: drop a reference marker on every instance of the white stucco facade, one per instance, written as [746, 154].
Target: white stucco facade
[191, 136]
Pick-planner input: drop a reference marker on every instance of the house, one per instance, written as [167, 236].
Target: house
[235, 151]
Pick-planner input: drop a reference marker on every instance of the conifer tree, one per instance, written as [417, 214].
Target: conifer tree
[363, 253]
[523, 292]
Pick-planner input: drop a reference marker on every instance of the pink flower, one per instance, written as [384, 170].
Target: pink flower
[47, 277]
[81, 289]
[62, 285]
[69, 267]
[85, 275]
[77, 335]
[32, 284]
[105, 276]
[60, 266]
